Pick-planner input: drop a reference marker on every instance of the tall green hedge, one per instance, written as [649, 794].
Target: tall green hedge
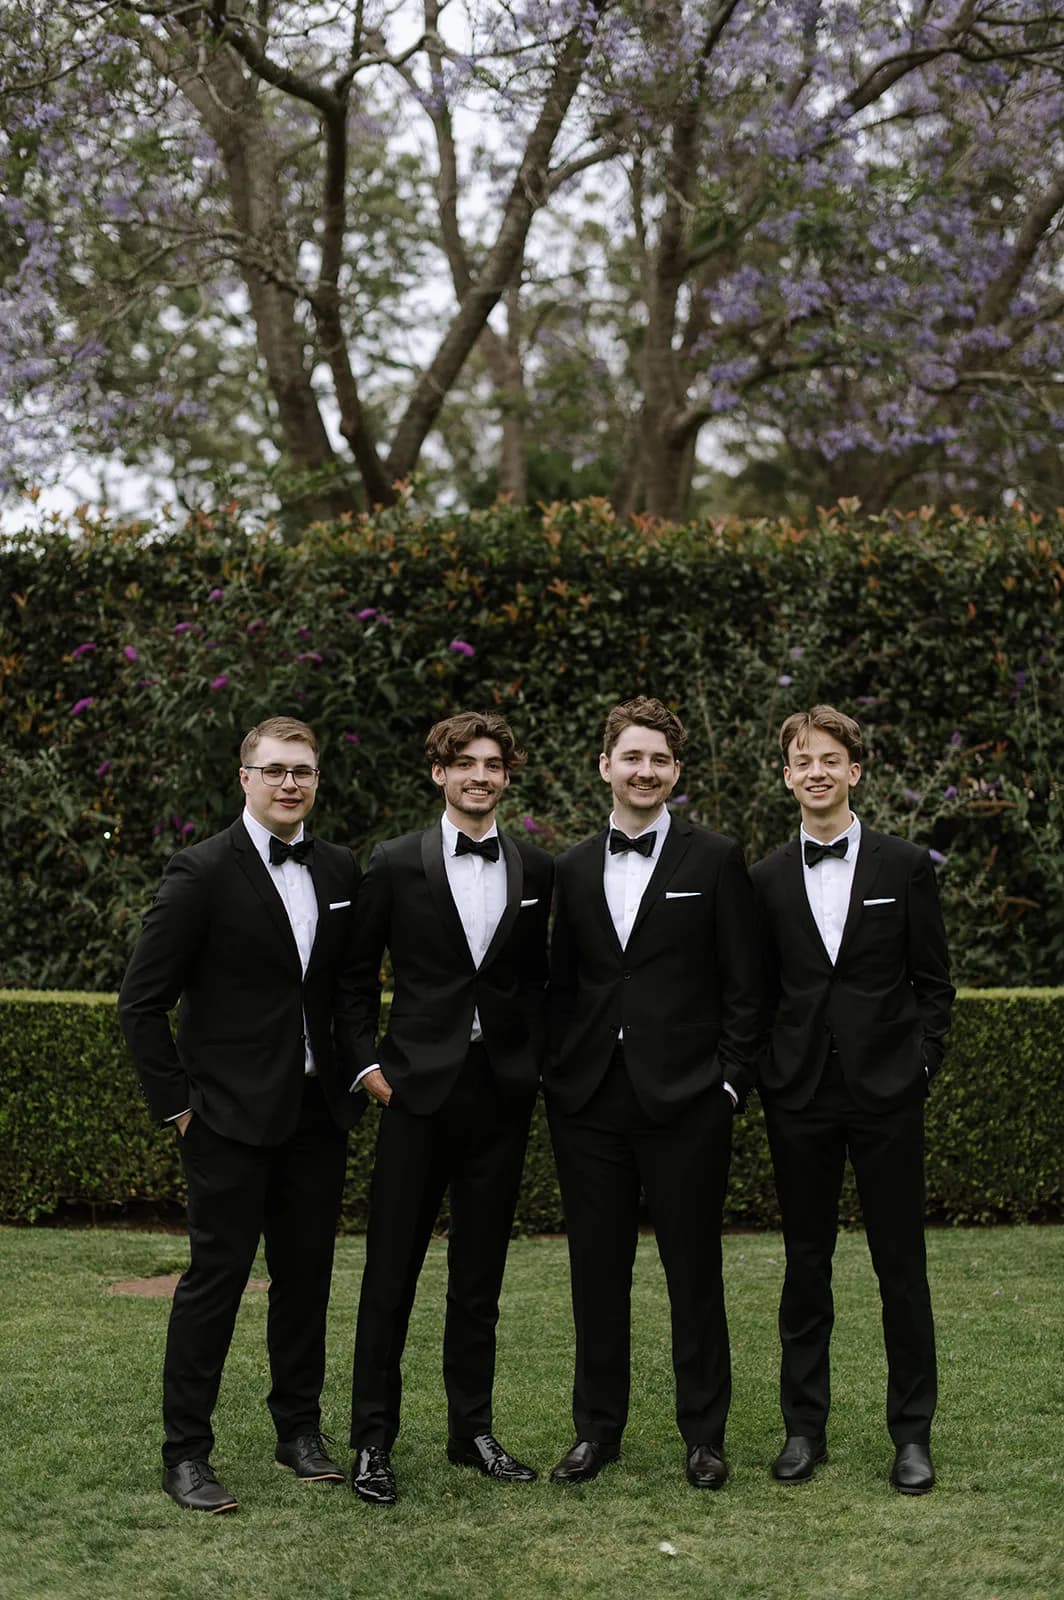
[133, 658]
[74, 1128]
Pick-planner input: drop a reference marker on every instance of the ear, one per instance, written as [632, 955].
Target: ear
[604, 767]
[439, 774]
[245, 779]
[788, 780]
[855, 774]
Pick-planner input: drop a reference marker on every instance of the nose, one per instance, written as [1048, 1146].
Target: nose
[288, 782]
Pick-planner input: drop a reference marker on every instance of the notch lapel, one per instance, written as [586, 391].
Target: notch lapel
[257, 874]
[794, 869]
[677, 842]
[869, 861]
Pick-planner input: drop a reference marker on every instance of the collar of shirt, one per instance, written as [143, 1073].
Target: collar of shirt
[450, 838]
[852, 833]
[660, 827]
[260, 838]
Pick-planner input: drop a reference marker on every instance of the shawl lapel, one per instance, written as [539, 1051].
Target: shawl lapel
[440, 890]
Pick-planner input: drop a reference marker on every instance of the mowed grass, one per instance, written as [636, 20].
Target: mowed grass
[82, 1516]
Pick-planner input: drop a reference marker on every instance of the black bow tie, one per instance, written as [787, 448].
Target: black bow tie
[488, 848]
[643, 846]
[816, 852]
[299, 853]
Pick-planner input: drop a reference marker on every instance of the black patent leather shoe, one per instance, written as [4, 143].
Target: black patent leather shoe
[912, 1472]
[488, 1456]
[584, 1461]
[193, 1485]
[372, 1477]
[706, 1466]
[308, 1459]
[799, 1456]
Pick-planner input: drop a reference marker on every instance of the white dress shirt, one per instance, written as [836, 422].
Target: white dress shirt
[478, 888]
[295, 886]
[828, 885]
[626, 874]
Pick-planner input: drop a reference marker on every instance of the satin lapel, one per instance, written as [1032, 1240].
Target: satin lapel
[869, 861]
[257, 874]
[591, 885]
[794, 868]
[677, 843]
[320, 874]
[515, 883]
[440, 889]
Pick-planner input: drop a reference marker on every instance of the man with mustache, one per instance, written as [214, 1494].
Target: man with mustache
[655, 998]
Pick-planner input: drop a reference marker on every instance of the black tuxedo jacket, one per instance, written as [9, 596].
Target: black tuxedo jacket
[887, 998]
[405, 905]
[686, 989]
[218, 938]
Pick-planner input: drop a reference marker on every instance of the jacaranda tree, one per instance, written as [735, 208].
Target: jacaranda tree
[341, 244]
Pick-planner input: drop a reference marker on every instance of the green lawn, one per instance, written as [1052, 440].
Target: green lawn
[82, 1516]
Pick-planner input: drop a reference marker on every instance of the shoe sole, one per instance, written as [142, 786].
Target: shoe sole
[924, 1488]
[208, 1511]
[317, 1477]
[493, 1477]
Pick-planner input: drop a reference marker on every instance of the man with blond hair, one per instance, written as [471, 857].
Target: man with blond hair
[246, 932]
[860, 991]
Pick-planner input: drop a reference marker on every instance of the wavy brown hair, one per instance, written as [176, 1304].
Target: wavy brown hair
[446, 739]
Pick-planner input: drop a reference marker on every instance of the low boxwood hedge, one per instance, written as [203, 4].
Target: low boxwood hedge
[74, 1131]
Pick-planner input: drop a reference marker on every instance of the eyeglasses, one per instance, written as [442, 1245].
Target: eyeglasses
[274, 775]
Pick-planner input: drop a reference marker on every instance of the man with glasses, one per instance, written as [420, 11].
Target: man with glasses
[247, 930]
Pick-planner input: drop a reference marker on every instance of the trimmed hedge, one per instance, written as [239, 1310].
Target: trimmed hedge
[74, 1129]
[133, 658]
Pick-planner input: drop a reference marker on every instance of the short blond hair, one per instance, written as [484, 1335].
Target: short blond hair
[287, 728]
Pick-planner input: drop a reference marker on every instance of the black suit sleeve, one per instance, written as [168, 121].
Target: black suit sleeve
[358, 987]
[740, 974]
[175, 929]
[928, 960]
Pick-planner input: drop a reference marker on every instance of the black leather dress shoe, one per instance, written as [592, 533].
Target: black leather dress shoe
[584, 1461]
[799, 1456]
[706, 1466]
[488, 1456]
[193, 1485]
[372, 1477]
[912, 1472]
[308, 1459]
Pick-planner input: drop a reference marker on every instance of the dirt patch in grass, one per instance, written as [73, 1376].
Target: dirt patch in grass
[162, 1285]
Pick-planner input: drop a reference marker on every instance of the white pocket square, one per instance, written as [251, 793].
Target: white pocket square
[683, 894]
[889, 901]
[525, 903]
[338, 905]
